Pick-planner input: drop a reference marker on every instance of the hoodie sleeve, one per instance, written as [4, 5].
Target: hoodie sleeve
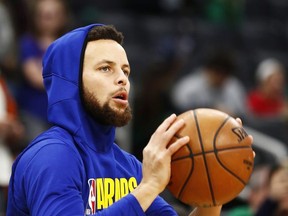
[129, 205]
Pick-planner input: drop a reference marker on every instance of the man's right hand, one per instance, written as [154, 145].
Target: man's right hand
[157, 160]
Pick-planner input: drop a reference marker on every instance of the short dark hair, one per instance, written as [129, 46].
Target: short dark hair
[105, 32]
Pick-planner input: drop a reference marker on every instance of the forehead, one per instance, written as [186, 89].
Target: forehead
[100, 49]
[49, 6]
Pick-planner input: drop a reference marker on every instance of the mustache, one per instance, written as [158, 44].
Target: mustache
[119, 90]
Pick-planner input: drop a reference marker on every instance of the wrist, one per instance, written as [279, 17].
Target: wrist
[211, 211]
[145, 194]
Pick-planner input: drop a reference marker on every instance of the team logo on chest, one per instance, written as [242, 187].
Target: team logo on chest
[103, 192]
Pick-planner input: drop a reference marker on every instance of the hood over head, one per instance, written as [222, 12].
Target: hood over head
[62, 74]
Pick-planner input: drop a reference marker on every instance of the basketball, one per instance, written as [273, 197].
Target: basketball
[216, 164]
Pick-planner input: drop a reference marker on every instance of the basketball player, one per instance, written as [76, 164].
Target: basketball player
[75, 168]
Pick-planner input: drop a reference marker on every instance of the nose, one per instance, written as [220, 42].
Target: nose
[122, 79]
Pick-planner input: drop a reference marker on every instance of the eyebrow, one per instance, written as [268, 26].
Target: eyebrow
[113, 63]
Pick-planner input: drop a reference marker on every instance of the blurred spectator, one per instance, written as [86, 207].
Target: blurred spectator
[267, 103]
[268, 98]
[8, 59]
[6, 32]
[212, 86]
[48, 21]
[11, 133]
[276, 203]
[258, 186]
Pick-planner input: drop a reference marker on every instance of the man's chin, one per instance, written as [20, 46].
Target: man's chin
[119, 116]
[119, 111]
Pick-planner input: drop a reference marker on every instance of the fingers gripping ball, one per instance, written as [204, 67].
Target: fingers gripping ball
[216, 164]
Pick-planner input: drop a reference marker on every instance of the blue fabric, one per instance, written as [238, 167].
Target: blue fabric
[75, 168]
[29, 48]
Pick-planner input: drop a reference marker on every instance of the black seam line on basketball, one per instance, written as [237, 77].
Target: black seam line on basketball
[209, 152]
[204, 157]
[191, 155]
[190, 173]
[216, 152]
[189, 148]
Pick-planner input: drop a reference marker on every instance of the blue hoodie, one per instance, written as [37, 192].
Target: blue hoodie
[74, 168]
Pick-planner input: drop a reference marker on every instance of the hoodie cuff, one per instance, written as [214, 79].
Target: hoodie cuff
[135, 205]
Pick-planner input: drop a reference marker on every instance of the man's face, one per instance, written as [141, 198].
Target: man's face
[105, 82]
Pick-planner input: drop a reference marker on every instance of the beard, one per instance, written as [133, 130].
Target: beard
[105, 114]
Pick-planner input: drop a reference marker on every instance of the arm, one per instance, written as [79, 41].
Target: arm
[32, 70]
[212, 211]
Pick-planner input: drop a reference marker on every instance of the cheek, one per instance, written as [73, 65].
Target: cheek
[128, 88]
[98, 89]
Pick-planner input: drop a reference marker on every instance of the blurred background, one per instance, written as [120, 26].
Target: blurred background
[185, 54]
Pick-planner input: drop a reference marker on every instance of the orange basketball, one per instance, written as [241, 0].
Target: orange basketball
[216, 164]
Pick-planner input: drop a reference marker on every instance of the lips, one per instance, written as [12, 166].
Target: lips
[122, 95]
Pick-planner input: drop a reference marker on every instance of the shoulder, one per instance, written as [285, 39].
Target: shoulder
[46, 153]
[48, 165]
[193, 80]
[193, 76]
[235, 82]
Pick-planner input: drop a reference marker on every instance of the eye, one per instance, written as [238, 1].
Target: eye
[126, 72]
[105, 68]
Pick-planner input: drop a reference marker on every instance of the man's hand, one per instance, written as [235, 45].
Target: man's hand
[157, 160]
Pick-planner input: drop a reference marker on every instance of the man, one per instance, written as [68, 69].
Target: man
[212, 85]
[75, 168]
